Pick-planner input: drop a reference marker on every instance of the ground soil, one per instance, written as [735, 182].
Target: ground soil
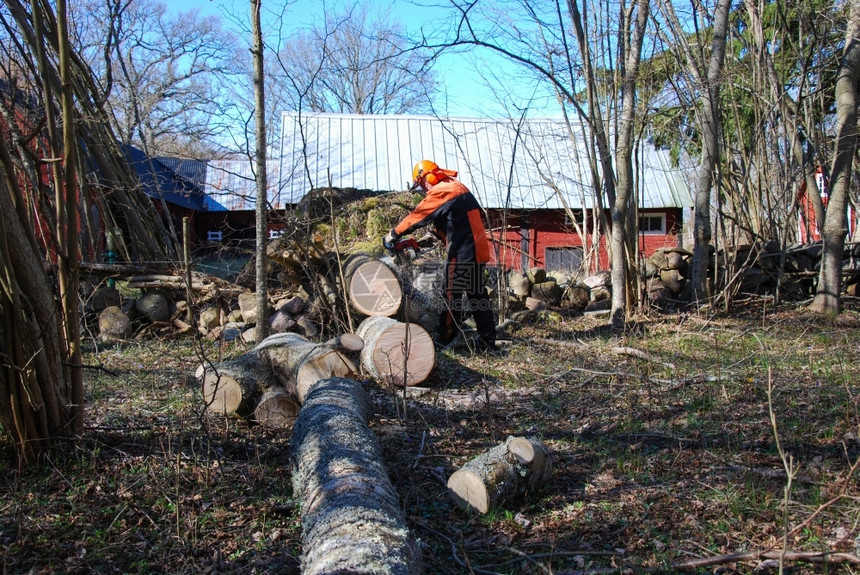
[670, 443]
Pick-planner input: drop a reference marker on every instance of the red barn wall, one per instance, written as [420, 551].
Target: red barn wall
[521, 239]
[650, 242]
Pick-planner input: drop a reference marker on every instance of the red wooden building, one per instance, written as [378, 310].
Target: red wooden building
[534, 183]
[534, 179]
[807, 225]
[549, 238]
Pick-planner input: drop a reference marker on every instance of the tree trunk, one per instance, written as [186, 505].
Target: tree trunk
[618, 182]
[624, 220]
[396, 353]
[711, 129]
[707, 80]
[299, 363]
[262, 326]
[372, 287]
[827, 297]
[604, 179]
[69, 249]
[500, 474]
[352, 521]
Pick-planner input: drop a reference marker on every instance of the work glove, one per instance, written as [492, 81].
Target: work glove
[388, 240]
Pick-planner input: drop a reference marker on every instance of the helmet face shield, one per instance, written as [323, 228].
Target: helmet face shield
[416, 187]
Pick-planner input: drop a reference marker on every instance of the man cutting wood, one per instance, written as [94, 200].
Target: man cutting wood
[456, 218]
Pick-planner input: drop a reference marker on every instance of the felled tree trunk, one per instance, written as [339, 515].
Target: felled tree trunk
[234, 386]
[351, 516]
[268, 384]
[395, 352]
[299, 363]
[371, 286]
[500, 474]
[248, 387]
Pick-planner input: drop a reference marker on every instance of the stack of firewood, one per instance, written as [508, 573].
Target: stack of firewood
[666, 273]
[312, 292]
[538, 289]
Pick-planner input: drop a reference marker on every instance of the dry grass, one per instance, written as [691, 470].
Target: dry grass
[660, 457]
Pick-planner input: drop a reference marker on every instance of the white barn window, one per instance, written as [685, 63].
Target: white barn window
[652, 224]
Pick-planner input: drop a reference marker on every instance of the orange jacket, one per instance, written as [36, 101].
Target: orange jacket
[456, 217]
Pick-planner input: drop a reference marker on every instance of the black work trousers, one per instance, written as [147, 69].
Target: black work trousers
[465, 293]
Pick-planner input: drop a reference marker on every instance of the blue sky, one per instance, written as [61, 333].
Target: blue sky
[465, 92]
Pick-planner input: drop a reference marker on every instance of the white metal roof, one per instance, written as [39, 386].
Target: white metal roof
[529, 167]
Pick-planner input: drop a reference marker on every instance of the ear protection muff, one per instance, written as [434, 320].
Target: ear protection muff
[431, 178]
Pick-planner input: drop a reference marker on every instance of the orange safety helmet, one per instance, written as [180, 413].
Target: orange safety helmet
[430, 172]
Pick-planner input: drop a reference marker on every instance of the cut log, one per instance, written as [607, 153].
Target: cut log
[113, 324]
[500, 474]
[395, 352]
[532, 454]
[299, 363]
[348, 342]
[235, 386]
[372, 287]
[276, 408]
[352, 521]
[248, 387]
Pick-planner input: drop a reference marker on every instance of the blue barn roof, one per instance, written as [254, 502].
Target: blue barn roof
[179, 181]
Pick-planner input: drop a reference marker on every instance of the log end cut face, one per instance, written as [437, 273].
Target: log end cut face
[276, 409]
[500, 474]
[322, 364]
[221, 392]
[406, 346]
[468, 491]
[374, 289]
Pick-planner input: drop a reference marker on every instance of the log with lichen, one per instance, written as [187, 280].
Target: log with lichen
[351, 517]
[248, 387]
[298, 363]
[233, 386]
[500, 474]
[268, 384]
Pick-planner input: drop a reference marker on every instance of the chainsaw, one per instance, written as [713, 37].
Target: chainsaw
[404, 250]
